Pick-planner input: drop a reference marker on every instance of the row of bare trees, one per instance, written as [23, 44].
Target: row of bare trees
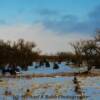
[21, 53]
[17, 53]
[88, 51]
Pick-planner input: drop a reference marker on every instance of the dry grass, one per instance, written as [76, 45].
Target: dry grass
[63, 74]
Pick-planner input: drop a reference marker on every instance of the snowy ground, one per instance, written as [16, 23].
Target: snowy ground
[50, 86]
[64, 86]
[43, 70]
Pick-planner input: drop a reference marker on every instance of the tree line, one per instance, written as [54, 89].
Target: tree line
[17, 53]
[88, 51]
[85, 53]
[21, 53]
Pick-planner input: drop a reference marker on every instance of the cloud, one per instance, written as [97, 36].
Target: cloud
[94, 18]
[2, 22]
[46, 40]
[47, 12]
[95, 14]
[66, 23]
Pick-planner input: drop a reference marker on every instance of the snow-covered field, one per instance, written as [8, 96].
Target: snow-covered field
[44, 86]
[42, 70]
[45, 70]
[50, 86]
